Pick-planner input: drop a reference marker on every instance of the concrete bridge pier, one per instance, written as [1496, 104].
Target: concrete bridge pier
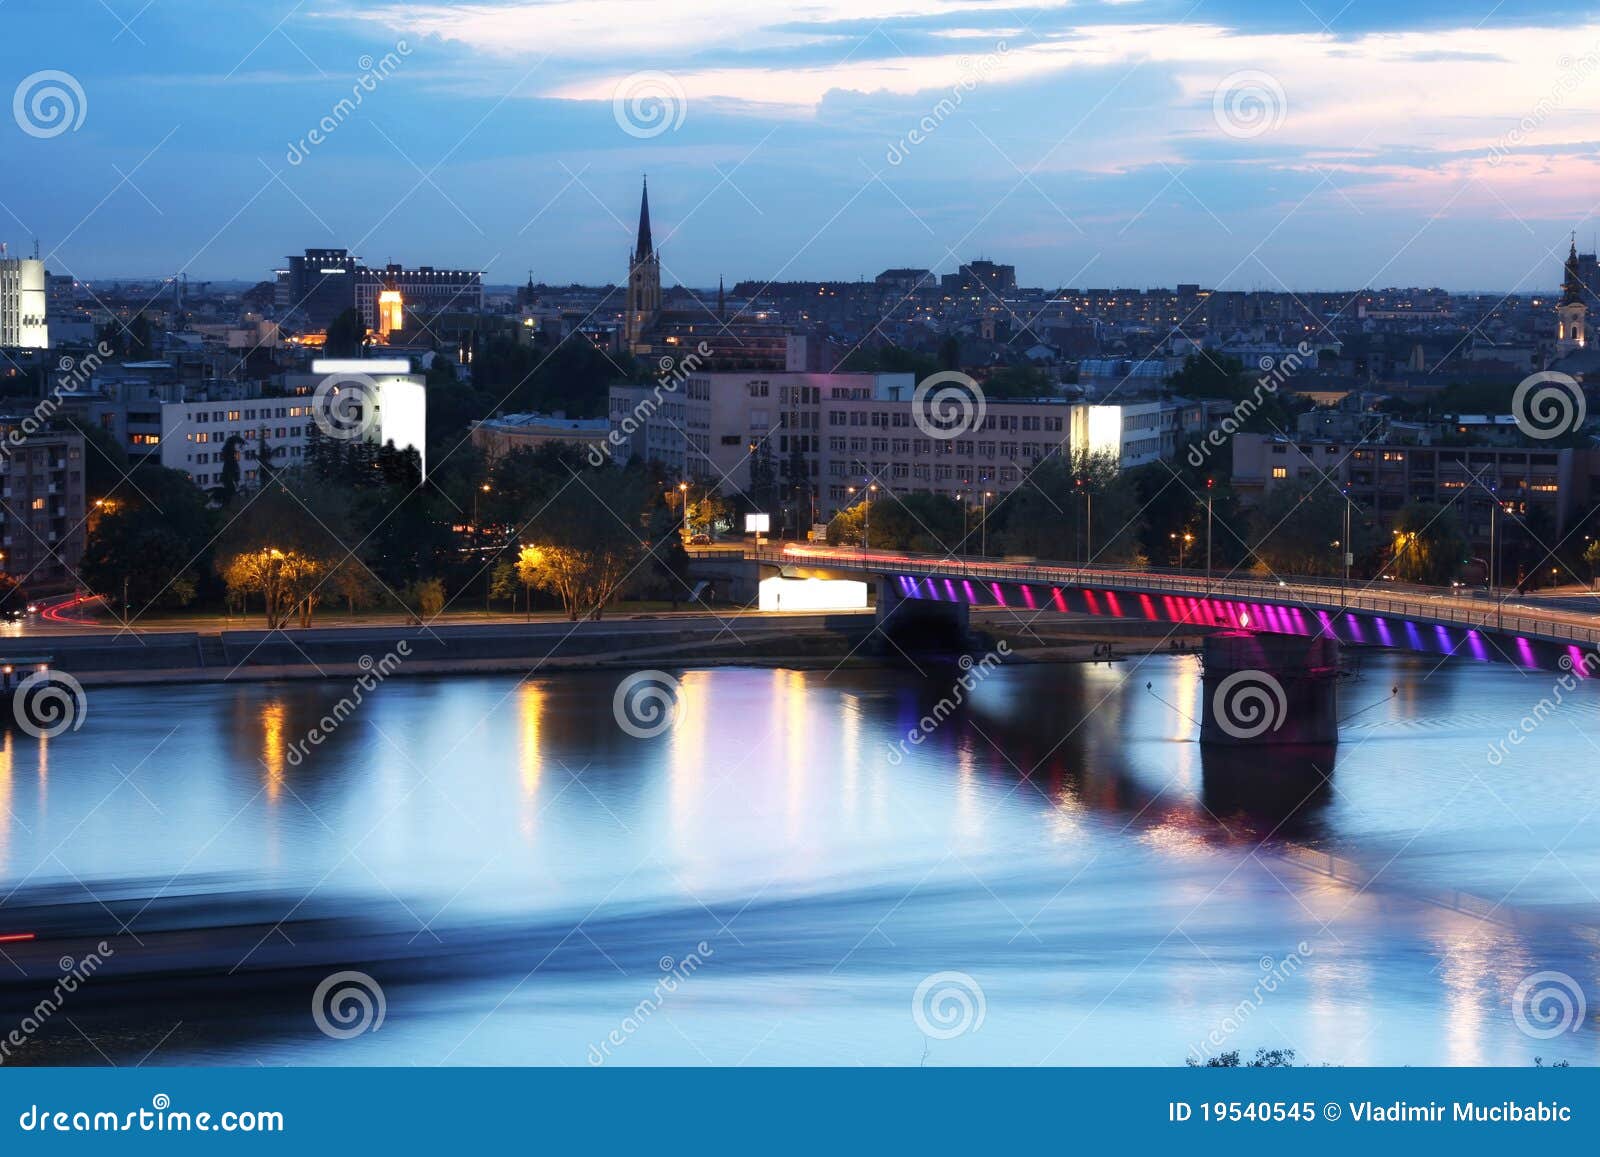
[921, 624]
[1265, 690]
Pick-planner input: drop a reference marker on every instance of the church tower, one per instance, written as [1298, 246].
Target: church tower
[644, 281]
[1572, 314]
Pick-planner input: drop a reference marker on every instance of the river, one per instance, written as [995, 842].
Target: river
[1059, 856]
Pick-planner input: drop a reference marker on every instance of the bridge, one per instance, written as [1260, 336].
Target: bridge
[1288, 632]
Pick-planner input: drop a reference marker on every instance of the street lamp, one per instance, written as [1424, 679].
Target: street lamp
[1183, 540]
[683, 509]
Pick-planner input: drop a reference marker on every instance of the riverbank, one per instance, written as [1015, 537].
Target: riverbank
[819, 641]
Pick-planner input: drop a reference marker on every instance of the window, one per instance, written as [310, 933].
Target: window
[1280, 472]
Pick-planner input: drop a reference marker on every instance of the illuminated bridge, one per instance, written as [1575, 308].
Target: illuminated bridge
[1287, 633]
[1411, 618]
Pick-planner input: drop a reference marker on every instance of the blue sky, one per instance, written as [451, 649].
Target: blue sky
[1271, 145]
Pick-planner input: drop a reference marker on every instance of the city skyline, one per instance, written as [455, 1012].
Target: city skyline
[500, 137]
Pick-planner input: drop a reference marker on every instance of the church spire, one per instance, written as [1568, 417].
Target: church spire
[1571, 283]
[722, 311]
[644, 247]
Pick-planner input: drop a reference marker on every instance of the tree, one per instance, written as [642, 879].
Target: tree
[285, 581]
[1430, 544]
[347, 334]
[1591, 555]
[1295, 527]
[1086, 510]
[12, 595]
[285, 540]
[587, 541]
[154, 542]
[229, 489]
[426, 598]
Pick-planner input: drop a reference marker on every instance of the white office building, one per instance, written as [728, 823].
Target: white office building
[22, 304]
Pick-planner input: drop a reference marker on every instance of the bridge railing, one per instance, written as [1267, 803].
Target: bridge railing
[1313, 594]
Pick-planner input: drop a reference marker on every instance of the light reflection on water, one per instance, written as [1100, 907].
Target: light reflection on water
[1062, 838]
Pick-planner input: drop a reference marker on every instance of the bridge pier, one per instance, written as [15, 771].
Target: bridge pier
[922, 624]
[1270, 690]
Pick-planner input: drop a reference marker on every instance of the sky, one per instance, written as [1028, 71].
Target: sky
[1091, 143]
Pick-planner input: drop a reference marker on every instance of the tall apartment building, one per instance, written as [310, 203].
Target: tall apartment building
[23, 307]
[42, 520]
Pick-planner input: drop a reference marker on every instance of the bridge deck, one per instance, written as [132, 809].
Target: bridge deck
[1415, 603]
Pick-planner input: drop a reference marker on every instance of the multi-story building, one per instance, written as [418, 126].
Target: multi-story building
[830, 434]
[42, 520]
[421, 295]
[318, 285]
[1539, 486]
[23, 309]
